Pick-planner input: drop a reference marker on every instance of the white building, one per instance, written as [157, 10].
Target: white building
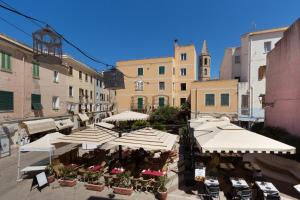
[247, 63]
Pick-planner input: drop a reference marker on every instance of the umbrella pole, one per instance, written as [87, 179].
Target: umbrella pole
[120, 147]
[19, 160]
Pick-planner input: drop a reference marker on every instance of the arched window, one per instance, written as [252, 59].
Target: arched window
[205, 61]
[205, 71]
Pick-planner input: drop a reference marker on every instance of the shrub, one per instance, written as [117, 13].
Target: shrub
[140, 124]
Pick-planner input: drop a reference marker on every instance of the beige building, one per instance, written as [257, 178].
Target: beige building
[214, 97]
[154, 82]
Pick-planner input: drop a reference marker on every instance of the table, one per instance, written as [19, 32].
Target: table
[117, 171]
[211, 181]
[33, 168]
[153, 172]
[239, 182]
[266, 187]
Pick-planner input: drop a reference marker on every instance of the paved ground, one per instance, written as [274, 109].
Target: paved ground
[10, 189]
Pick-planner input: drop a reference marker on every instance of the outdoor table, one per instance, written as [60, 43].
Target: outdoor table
[209, 181]
[33, 168]
[153, 172]
[266, 187]
[94, 168]
[117, 171]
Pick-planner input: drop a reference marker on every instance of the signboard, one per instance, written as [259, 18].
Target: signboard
[200, 174]
[41, 179]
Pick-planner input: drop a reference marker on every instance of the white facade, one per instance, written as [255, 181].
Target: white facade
[243, 63]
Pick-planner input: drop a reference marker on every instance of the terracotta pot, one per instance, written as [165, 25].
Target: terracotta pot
[67, 183]
[94, 187]
[123, 191]
[51, 178]
[162, 195]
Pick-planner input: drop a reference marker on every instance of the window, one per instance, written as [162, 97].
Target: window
[205, 71]
[56, 77]
[140, 71]
[97, 82]
[91, 107]
[80, 75]
[183, 72]
[139, 85]
[140, 103]
[161, 70]
[55, 103]
[205, 61]
[86, 94]
[6, 101]
[183, 56]
[86, 77]
[81, 93]
[5, 62]
[209, 99]
[245, 105]
[238, 78]
[224, 99]
[70, 91]
[70, 70]
[97, 95]
[237, 59]
[161, 85]
[261, 72]
[101, 83]
[267, 46]
[173, 86]
[183, 86]
[173, 70]
[91, 94]
[263, 100]
[182, 101]
[35, 70]
[161, 101]
[36, 102]
[91, 79]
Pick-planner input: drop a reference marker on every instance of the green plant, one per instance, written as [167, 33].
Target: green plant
[163, 182]
[159, 126]
[140, 124]
[67, 173]
[93, 177]
[124, 180]
[49, 169]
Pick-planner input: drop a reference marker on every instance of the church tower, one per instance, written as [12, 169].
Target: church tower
[204, 64]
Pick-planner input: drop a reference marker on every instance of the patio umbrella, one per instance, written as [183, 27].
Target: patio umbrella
[126, 116]
[146, 138]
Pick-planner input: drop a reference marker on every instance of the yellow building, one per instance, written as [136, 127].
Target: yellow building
[154, 82]
[214, 97]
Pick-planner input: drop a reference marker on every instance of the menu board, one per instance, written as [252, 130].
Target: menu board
[200, 174]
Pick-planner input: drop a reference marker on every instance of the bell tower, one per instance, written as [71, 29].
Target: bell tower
[204, 64]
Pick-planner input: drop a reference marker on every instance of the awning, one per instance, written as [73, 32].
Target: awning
[147, 138]
[126, 116]
[43, 144]
[95, 136]
[38, 126]
[105, 125]
[64, 123]
[83, 117]
[219, 135]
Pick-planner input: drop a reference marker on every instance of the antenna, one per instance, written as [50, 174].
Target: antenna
[253, 26]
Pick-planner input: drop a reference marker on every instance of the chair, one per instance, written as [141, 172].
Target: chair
[213, 191]
[144, 184]
[155, 185]
[135, 183]
[272, 196]
[245, 194]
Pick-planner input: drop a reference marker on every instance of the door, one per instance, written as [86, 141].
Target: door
[140, 103]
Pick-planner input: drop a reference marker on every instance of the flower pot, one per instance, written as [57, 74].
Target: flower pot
[123, 191]
[67, 183]
[51, 178]
[162, 195]
[94, 187]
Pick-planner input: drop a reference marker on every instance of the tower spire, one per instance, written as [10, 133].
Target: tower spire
[204, 48]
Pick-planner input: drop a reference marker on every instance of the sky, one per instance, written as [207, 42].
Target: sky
[113, 30]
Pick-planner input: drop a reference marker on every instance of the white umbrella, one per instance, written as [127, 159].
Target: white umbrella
[126, 116]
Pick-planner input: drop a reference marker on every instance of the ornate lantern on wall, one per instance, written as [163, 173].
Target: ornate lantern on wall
[113, 79]
[47, 46]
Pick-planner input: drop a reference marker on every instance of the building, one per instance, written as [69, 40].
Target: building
[204, 64]
[154, 82]
[282, 101]
[245, 63]
[214, 98]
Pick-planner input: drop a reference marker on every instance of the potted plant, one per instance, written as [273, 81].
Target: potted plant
[124, 186]
[68, 177]
[50, 173]
[162, 190]
[93, 181]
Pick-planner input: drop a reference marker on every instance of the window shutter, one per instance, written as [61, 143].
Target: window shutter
[8, 62]
[6, 100]
[2, 60]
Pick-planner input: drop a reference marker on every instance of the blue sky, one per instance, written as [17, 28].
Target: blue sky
[113, 30]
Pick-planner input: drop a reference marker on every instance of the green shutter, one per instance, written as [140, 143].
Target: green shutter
[36, 102]
[140, 71]
[209, 99]
[161, 70]
[8, 67]
[35, 70]
[2, 60]
[6, 101]
[140, 103]
[224, 99]
[161, 101]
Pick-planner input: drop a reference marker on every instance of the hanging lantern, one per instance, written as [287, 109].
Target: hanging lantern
[113, 79]
[47, 46]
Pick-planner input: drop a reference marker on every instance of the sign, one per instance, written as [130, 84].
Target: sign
[200, 174]
[41, 179]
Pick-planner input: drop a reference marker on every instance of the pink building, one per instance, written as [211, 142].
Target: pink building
[283, 82]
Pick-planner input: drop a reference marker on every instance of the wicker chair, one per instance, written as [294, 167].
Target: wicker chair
[144, 184]
[135, 183]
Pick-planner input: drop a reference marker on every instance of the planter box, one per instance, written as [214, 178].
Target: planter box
[123, 191]
[67, 183]
[162, 195]
[51, 179]
[94, 187]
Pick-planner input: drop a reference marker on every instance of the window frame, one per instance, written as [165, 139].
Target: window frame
[270, 47]
[33, 107]
[183, 69]
[6, 59]
[163, 84]
[9, 107]
[35, 70]
[161, 70]
[55, 76]
[221, 100]
[140, 69]
[185, 88]
[183, 56]
[71, 89]
[206, 100]
[54, 104]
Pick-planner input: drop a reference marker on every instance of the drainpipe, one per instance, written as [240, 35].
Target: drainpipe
[196, 102]
[249, 79]
[24, 86]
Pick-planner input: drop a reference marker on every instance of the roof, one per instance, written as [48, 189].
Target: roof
[16, 42]
[66, 56]
[265, 31]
